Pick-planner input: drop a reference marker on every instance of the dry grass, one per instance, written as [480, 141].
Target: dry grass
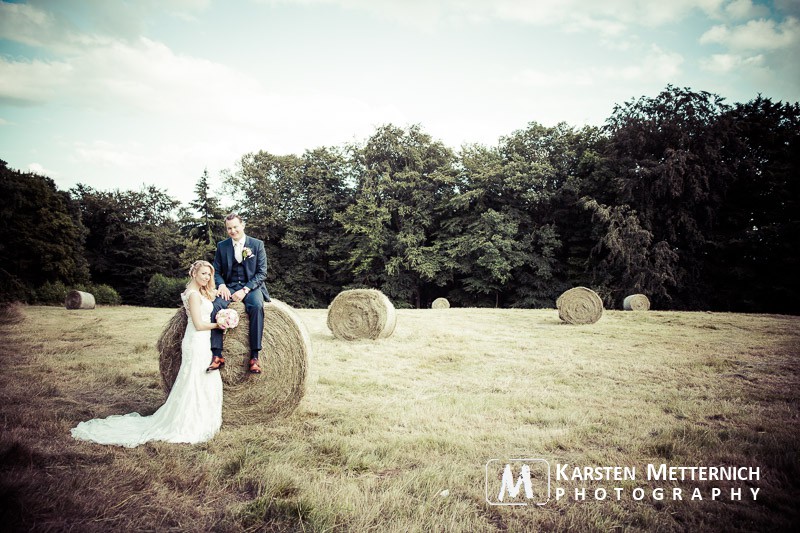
[387, 425]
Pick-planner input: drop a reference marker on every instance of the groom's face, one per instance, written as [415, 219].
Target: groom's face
[235, 228]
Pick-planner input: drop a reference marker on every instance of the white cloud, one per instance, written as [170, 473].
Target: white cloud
[43, 24]
[26, 24]
[745, 9]
[657, 65]
[725, 63]
[540, 78]
[36, 168]
[609, 17]
[31, 82]
[759, 34]
[108, 154]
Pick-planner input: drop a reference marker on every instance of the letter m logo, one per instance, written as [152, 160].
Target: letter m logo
[517, 482]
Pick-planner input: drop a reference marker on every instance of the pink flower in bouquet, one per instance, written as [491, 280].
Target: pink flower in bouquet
[227, 318]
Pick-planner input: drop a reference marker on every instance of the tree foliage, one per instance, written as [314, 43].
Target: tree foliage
[680, 196]
[404, 176]
[132, 236]
[42, 235]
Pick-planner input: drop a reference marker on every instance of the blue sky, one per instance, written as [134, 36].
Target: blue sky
[117, 94]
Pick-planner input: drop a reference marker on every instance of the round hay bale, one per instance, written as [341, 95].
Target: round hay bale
[169, 349]
[440, 303]
[579, 305]
[79, 300]
[636, 302]
[284, 362]
[361, 314]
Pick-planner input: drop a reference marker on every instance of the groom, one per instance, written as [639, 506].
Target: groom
[240, 265]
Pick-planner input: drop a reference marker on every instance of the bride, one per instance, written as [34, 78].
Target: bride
[193, 410]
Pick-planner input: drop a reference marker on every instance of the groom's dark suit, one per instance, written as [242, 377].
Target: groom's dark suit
[250, 273]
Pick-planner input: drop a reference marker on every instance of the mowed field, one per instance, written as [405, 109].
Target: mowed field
[395, 434]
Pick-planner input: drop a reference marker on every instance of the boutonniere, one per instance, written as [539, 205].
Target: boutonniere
[246, 252]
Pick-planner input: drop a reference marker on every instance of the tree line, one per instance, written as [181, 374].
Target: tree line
[681, 196]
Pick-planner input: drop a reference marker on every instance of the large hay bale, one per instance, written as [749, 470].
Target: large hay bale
[636, 302]
[284, 361]
[361, 314]
[169, 348]
[440, 303]
[79, 300]
[579, 305]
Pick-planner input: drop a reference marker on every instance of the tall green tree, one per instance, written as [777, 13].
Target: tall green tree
[481, 234]
[208, 225]
[754, 261]
[290, 202]
[674, 156]
[203, 223]
[43, 236]
[524, 194]
[132, 236]
[405, 178]
[626, 261]
[544, 168]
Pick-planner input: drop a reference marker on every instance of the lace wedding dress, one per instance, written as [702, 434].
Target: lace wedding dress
[193, 410]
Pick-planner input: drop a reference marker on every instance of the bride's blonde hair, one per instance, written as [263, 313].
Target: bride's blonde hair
[209, 290]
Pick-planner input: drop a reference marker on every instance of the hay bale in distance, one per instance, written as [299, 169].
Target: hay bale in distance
[284, 362]
[79, 300]
[579, 305]
[440, 303]
[361, 314]
[636, 302]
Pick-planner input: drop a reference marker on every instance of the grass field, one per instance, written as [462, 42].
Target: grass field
[394, 435]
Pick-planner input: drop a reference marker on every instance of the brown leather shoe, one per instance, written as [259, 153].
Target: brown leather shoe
[254, 368]
[216, 363]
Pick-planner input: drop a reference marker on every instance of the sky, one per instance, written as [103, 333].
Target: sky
[119, 94]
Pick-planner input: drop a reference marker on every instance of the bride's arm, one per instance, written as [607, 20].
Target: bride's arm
[196, 315]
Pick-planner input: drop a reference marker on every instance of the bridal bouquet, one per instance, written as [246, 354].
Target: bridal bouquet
[227, 318]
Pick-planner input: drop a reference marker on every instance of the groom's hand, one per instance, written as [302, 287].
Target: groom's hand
[239, 295]
[224, 293]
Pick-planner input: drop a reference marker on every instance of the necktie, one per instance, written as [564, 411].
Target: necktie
[237, 251]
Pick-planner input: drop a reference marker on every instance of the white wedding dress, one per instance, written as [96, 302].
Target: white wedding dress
[193, 410]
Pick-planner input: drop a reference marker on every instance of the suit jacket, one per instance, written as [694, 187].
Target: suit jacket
[255, 266]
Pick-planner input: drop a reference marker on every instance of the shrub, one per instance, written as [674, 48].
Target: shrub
[105, 295]
[165, 292]
[51, 293]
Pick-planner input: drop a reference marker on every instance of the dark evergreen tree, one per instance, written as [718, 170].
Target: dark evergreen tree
[754, 262]
[674, 157]
[132, 236]
[42, 235]
[203, 224]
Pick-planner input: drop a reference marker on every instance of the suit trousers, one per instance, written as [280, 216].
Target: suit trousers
[254, 307]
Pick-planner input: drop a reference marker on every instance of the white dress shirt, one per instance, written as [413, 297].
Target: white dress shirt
[238, 246]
